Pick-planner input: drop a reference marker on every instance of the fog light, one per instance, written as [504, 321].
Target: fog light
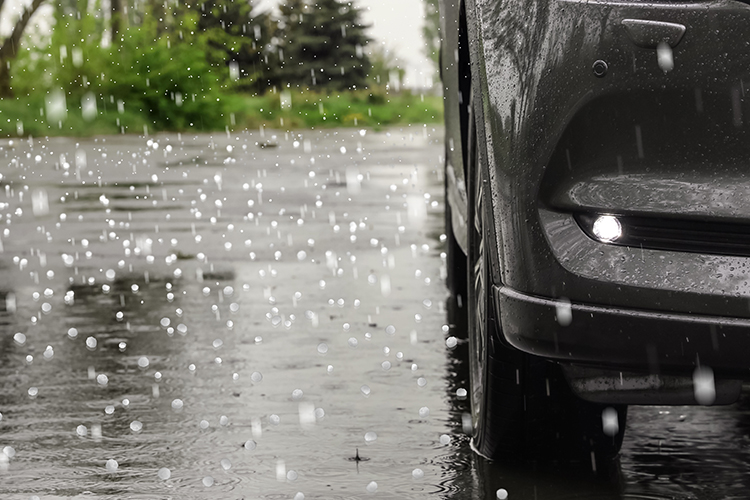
[607, 228]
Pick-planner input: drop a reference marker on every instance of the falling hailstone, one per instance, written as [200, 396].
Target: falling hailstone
[445, 439]
[703, 385]
[664, 57]
[250, 445]
[165, 473]
[424, 412]
[112, 465]
[417, 473]
[502, 494]
[372, 487]
[563, 312]
[299, 496]
[177, 404]
[370, 437]
[610, 424]
[208, 481]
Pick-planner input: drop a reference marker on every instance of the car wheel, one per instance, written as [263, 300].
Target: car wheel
[521, 405]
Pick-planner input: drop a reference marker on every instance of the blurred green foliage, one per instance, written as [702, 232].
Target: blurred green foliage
[284, 111]
[192, 65]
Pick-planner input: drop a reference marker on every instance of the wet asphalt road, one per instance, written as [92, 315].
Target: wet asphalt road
[263, 315]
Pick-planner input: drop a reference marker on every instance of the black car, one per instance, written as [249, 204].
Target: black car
[598, 211]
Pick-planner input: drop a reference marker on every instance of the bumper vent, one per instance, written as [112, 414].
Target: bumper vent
[679, 235]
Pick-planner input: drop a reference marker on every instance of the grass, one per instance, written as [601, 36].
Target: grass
[26, 116]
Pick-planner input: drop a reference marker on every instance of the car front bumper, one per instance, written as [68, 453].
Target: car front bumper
[618, 338]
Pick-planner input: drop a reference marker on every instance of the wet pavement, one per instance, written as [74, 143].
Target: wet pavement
[263, 315]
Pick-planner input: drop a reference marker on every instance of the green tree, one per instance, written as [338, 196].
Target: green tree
[10, 46]
[236, 35]
[319, 44]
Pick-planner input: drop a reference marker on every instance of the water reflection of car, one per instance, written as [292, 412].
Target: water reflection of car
[598, 199]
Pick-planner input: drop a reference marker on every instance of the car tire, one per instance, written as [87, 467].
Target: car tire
[521, 405]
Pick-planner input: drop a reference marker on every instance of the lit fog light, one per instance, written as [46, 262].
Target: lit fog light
[607, 228]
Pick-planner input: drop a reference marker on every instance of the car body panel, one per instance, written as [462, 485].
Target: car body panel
[646, 138]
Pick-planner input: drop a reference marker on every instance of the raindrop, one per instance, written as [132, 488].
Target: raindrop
[164, 473]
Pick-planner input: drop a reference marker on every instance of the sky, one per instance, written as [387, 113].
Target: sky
[398, 25]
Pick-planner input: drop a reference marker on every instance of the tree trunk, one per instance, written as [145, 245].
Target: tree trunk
[9, 48]
[116, 22]
[5, 90]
